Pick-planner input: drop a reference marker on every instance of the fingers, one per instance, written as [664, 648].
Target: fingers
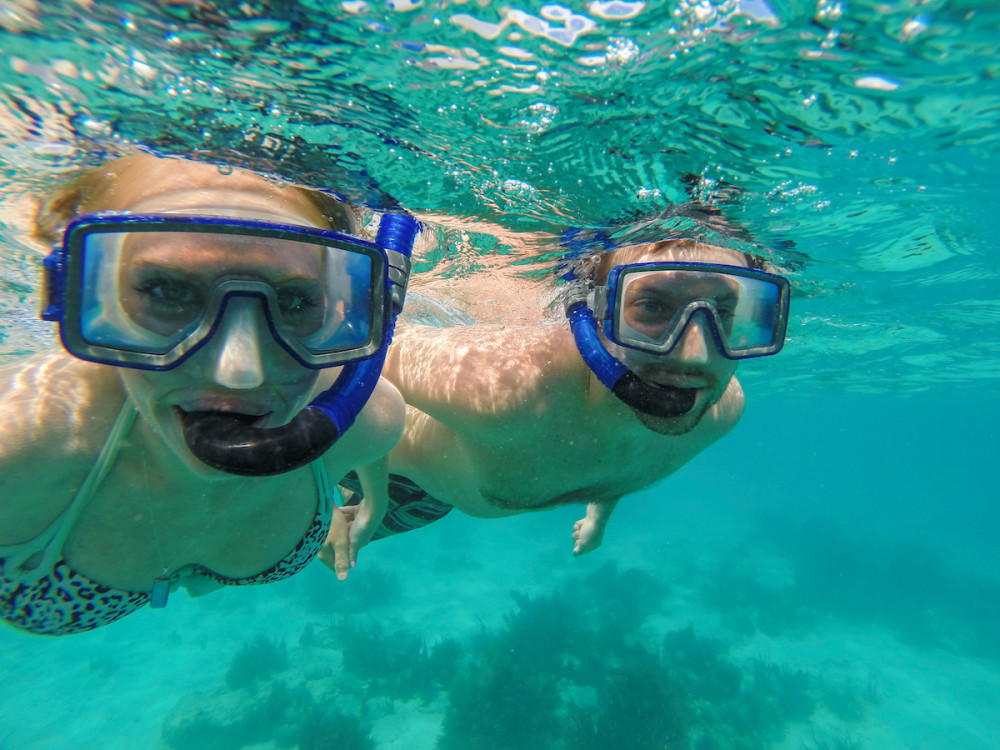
[587, 538]
[362, 531]
[336, 551]
[366, 521]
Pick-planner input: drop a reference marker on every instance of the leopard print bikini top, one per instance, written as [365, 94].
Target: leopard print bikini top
[41, 594]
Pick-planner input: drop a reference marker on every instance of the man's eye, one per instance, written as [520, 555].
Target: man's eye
[652, 306]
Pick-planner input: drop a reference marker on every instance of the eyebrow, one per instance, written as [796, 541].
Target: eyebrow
[648, 284]
[281, 275]
[183, 258]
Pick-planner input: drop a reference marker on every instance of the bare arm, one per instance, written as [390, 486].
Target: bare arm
[483, 378]
[365, 446]
[375, 488]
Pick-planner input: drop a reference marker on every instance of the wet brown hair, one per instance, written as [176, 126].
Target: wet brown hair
[693, 248]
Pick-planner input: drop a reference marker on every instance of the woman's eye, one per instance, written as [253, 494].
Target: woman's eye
[167, 295]
[295, 303]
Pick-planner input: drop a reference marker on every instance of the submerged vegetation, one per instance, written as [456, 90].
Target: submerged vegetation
[258, 659]
[587, 666]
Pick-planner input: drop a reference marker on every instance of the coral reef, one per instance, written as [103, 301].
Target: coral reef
[904, 587]
[332, 730]
[230, 719]
[747, 605]
[394, 665]
[842, 741]
[578, 668]
[266, 711]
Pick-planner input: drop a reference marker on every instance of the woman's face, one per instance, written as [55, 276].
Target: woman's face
[241, 368]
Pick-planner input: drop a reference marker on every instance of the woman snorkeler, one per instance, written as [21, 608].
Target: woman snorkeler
[227, 335]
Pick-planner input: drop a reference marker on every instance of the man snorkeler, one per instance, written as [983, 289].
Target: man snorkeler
[504, 419]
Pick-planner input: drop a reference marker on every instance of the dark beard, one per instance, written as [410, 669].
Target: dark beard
[676, 426]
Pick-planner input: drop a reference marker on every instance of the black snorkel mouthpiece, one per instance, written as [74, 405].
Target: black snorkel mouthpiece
[655, 401]
[629, 388]
[227, 443]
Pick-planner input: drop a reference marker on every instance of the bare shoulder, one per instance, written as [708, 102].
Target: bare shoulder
[55, 402]
[484, 371]
[374, 433]
[55, 414]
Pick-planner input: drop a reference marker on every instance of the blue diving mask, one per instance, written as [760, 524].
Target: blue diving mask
[147, 291]
[648, 307]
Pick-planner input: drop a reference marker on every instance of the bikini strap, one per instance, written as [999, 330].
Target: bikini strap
[325, 487]
[30, 561]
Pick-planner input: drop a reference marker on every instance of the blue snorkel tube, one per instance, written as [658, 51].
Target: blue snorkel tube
[628, 387]
[227, 443]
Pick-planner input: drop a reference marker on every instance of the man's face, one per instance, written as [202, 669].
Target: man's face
[694, 362]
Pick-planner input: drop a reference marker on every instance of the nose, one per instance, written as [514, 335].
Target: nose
[238, 363]
[697, 342]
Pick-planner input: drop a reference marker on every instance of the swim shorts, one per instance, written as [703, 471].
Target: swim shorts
[409, 506]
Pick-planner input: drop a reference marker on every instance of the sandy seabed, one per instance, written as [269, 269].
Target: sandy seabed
[117, 687]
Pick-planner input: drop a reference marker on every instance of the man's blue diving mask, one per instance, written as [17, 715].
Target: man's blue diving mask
[648, 307]
[147, 291]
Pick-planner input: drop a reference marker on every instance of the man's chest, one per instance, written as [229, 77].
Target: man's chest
[575, 470]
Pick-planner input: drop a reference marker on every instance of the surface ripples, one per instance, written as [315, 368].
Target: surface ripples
[855, 142]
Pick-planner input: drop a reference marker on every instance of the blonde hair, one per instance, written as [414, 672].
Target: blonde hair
[98, 188]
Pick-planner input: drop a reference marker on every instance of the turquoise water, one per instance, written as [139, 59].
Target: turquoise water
[825, 577]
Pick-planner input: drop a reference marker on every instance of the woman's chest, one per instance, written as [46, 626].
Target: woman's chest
[133, 532]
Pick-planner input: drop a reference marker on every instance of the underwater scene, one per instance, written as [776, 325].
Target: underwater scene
[824, 577]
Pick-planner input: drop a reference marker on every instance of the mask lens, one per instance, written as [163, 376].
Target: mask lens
[160, 291]
[654, 307]
[347, 314]
[149, 308]
[756, 319]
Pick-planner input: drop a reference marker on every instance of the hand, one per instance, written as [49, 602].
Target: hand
[364, 522]
[336, 550]
[588, 535]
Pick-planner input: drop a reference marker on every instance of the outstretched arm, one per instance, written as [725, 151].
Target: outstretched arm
[482, 380]
[588, 532]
